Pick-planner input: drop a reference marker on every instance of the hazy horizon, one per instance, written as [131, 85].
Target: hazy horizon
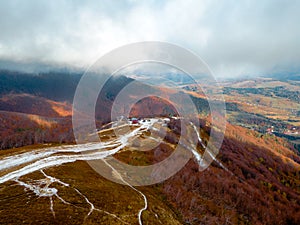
[245, 38]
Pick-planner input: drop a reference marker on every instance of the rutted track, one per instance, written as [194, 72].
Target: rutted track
[46, 157]
[15, 166]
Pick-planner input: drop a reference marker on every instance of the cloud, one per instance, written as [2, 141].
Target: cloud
[233, 37]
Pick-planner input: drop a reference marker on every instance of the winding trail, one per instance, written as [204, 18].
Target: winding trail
[16, 166]
[141, 193]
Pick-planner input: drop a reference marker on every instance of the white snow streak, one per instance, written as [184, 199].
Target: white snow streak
[199, 158]
[29, 162]
[141, 193]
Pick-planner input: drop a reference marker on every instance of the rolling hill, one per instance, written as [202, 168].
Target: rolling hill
[255, 178]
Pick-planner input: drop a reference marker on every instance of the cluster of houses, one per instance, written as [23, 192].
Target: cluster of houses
[292, 131]
[122, 120]
[134, 120]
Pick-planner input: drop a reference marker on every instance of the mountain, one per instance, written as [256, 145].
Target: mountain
[55, 86]
[261, 185]
[45, 177]
[291, 76]
[49, 96]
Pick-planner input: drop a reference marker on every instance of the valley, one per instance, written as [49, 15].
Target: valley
[46, 178]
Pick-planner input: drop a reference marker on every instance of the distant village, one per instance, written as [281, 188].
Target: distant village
[292, 131]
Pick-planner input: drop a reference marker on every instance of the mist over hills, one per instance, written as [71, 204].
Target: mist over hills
[198, 125]
[56, 86]
[261, 169]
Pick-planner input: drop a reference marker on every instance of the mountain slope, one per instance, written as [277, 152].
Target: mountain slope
[261, 187]
[255, 179]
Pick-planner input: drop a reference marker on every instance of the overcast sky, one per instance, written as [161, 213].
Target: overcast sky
[233, 37]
